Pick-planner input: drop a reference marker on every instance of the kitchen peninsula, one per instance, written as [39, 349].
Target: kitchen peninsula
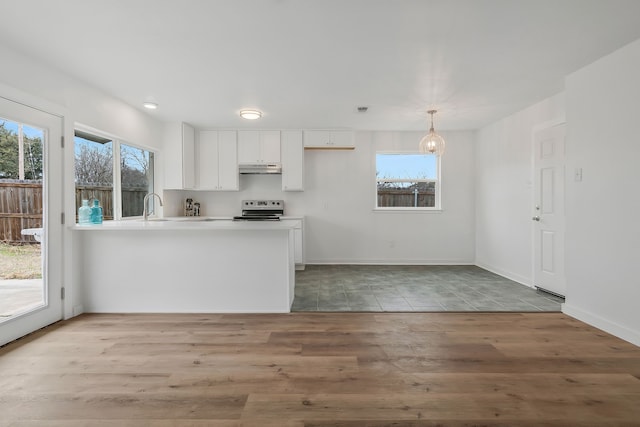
[173, 266]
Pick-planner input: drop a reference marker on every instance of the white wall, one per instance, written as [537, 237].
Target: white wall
[83, 104]
[603, 231]
[42, 86]
[338, 202]
[504, 189]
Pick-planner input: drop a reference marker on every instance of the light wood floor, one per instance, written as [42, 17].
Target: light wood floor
[321, 369]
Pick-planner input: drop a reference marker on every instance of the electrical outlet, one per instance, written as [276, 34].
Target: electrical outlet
[577, 175]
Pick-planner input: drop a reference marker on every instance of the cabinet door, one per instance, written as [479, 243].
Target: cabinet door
[316, 138]
[208, 160]
[228, 161]
[292, 161]
[341, 138]
[188, 156]
[269, 147]
[329, 139]
[248, 146]
[298, 248]
[258, 147]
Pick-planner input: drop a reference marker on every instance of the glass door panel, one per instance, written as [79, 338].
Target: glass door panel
[21, 285]
[30, 229]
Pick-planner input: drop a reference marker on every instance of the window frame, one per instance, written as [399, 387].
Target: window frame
[410, 209]
[117, 172]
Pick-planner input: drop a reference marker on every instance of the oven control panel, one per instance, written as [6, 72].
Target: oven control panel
[262, 204]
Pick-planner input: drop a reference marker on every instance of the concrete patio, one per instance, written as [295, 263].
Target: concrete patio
[19, 295]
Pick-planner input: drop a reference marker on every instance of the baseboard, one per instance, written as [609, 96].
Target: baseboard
[387, 262]
[608, 326]
[509, 275]
[78, 310]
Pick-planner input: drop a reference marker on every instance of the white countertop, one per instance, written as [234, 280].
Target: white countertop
[189, 223]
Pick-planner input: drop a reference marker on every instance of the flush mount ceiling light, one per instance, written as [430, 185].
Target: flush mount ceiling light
[150, 105]
[432, 143]
[250, 114]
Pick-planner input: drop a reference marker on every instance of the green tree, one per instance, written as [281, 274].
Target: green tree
[9, 161]
[32, 158]
[8, 153]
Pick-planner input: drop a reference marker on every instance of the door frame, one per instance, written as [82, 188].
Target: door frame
[561, 120]
[54, 228]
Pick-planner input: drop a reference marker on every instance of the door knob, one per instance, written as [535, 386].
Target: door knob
[536, 218]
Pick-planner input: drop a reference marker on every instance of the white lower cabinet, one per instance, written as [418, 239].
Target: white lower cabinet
[218, 161]
[292, 152]
[298, 241]
[298, 245]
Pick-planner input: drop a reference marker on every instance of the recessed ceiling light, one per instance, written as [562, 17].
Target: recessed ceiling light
[250, 114]
[150, 105]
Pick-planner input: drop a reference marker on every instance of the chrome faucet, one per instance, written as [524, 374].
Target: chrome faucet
[145, 212]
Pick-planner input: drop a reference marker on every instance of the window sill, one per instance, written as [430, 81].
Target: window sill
[408, 210]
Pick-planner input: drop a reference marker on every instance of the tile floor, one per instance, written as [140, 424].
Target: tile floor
[413, 288]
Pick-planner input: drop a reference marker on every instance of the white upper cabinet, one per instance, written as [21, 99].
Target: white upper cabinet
[258, 146]
[270, 150]
[248, 146]
[218, 161]
[188, 156]
[329, 139]
[207, 158]
[228, 179]
[292, 160]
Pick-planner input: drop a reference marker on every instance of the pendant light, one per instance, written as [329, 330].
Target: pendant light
[432, 143]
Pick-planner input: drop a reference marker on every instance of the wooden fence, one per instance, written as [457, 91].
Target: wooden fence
[406, 198]
[103, 193]
[21, 205]
[132, 199]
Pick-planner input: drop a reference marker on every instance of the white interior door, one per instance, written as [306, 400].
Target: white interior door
[548, 215]
[49, 309]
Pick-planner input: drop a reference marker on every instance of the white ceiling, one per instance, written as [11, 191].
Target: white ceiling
[311, 63]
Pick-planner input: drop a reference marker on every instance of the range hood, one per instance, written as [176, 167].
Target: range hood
[260, 168]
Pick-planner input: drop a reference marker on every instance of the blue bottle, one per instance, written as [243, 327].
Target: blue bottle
[84, 213]
[96, 212]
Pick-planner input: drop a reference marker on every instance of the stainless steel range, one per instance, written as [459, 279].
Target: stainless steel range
[261, 210]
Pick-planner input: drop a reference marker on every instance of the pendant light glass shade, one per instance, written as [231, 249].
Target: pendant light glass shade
[432, 143]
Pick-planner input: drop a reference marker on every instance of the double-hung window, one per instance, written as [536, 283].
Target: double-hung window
[407, 181]
[115, 173]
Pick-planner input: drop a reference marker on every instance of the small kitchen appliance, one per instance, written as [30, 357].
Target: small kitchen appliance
[261, 210]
